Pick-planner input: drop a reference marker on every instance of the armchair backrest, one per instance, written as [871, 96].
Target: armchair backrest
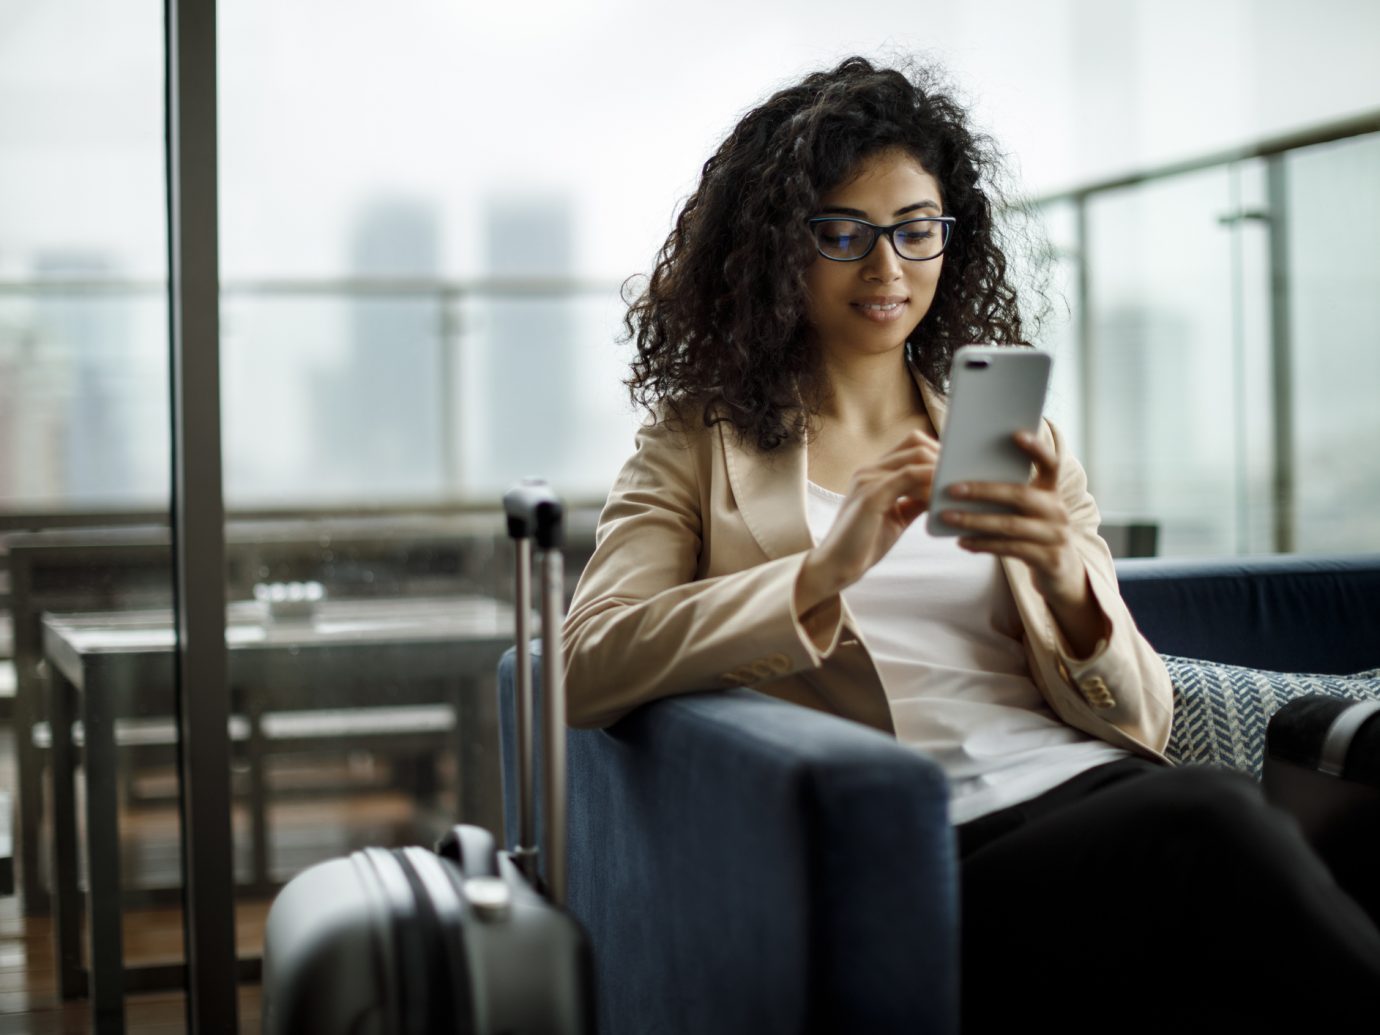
[1287, 613]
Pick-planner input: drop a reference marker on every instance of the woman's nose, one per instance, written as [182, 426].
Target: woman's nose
[883, 264]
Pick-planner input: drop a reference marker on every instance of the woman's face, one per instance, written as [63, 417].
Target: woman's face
[872, 305]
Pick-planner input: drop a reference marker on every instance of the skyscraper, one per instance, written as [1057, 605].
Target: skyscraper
[107, 391]
[529, 343]
[376, 412]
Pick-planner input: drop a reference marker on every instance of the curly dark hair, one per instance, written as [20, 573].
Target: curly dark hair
[720, 325]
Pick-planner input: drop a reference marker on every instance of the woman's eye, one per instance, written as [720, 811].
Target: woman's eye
[916, 236]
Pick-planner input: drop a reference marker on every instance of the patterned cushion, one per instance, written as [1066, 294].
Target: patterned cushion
[1221, 711]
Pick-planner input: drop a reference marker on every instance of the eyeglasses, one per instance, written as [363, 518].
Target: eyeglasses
[848, 240]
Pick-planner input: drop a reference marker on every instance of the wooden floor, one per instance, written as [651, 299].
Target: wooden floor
[337, 805]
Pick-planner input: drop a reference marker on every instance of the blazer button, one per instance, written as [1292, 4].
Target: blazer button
[779, 663]
[760, 670]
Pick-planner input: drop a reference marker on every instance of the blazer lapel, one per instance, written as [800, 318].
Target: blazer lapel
[770, 491]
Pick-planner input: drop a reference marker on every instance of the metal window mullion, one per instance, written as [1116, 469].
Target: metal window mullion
[1234, 223]
[1083, 317]
[1281, 356]
[448, 364]
[202, 696]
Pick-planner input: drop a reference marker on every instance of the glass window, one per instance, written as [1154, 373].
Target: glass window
[90, 769]
[83, 393]
[334, 398]
[1173, 370]
[83, 317]
[1334, 278]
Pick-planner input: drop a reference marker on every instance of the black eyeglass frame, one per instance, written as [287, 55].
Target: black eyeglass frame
[947, 222]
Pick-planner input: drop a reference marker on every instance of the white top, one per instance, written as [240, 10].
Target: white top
[943, 630]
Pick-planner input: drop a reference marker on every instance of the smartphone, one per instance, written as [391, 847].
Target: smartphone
[995, 391]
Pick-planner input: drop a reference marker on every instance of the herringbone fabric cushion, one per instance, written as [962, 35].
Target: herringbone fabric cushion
[1221, 711]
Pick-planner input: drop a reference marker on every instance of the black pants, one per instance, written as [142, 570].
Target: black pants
[1137, 897]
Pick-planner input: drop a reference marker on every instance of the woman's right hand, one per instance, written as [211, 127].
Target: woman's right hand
[883, 499]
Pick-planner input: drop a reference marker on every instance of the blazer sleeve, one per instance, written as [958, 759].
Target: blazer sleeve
[644, 625]
[1124, 680]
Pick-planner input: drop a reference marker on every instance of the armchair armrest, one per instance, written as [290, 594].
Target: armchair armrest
[746, 864]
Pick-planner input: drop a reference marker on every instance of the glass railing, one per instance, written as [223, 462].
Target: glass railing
[1214, 371]
[335, 393]
[1224, 335]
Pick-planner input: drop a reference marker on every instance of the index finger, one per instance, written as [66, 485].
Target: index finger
[913, 438]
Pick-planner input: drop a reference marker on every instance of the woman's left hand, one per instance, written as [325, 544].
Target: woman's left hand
[1038, 532]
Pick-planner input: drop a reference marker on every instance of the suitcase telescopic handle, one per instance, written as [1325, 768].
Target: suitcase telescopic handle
[534, 512]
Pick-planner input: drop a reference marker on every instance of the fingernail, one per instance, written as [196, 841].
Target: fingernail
[958, 490]
[1025, 437]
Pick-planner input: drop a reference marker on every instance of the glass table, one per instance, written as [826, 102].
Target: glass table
[374, 658]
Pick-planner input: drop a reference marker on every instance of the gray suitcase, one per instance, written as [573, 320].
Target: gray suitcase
[466, 939]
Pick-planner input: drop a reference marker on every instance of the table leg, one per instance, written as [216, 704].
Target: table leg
[66, 902]
[257, 749]
[30, 762]
[103, 861]
[31, 688]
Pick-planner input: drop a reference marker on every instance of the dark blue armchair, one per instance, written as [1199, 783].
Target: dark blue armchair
[743, 864]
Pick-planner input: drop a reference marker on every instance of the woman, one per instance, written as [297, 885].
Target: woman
[794, 342]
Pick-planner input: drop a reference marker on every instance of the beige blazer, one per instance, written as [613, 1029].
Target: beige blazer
[691, 587]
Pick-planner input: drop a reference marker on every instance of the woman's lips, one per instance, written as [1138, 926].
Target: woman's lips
[881, 312]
